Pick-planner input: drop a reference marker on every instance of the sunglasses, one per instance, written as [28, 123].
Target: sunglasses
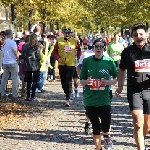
[99, 46]
[67, 32]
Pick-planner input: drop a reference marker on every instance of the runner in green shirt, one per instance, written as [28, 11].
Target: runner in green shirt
[115, 49]
[95, 74]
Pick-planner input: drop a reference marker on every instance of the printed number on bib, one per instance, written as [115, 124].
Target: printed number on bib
[67, 48]
[114, 54]
[97, 85]
[142, 65]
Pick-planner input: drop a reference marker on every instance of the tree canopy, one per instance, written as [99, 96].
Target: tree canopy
[80, 15]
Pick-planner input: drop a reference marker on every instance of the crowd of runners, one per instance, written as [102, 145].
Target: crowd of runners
[94, 61]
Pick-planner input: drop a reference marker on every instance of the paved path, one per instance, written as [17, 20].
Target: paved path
[48, 125]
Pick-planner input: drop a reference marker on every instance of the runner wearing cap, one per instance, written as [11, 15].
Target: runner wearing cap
[65, 51]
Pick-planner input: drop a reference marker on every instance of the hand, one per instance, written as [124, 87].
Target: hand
[19, 53]
[104, 82]
[118, 91]
[89, 81]
[1, 71]
[41, 47]
[59, 60]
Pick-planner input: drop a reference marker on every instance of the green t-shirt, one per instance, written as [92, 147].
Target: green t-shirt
[103, 68]
[115, 50]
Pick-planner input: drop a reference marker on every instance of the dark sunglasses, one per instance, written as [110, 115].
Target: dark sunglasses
[67, 32]
[99, 46]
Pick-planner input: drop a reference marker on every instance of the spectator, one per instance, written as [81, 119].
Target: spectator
[2, 43]
[10, 65]
[21, 67]
[31, 56]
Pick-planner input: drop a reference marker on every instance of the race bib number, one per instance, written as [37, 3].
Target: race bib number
[67, 48]
[142, 65]
[97, 85]
[115, 55]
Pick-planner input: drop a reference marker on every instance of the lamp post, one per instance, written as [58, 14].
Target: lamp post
[51, 26]
[13, 13]
[44, 16]
[147, 26]
[30, 15]
[57, 26]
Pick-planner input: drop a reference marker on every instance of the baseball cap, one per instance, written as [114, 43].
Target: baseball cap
[67, 30]
[99, 40]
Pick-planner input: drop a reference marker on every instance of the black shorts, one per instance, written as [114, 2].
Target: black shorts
[111, 96]
[75, 75]
[139, 99]
[102, 112]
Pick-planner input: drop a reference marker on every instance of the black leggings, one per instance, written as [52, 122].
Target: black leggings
[102, 112]
[31, 77]
[52, 71]
[66, 75]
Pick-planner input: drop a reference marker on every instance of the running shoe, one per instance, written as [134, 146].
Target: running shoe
[72, 96]
[27, 99]
[87, 128]
[108, 143]
[76, 93]
[67, 104]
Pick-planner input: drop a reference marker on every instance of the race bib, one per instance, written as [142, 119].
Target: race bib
[115, 55]
[97, 85]
[67, 48]
[142, 65]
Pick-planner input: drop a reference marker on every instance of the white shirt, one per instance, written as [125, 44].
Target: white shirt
[8, 51]
[86, 54]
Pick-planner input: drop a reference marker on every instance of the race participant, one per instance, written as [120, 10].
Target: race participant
[88, 51]
[136, 59]
[64, 51]
[75, 92]
[95, 77]
[114, 50]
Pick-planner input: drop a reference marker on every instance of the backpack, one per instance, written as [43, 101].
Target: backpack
[31, 58]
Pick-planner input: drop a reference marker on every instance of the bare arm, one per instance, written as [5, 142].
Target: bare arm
[121, 77]
[83, 82]
[16, 53]
[112, 82]
[78, 70]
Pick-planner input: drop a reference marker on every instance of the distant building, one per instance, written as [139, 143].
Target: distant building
[4, 19]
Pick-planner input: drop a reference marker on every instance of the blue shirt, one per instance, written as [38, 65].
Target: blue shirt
[8, 51]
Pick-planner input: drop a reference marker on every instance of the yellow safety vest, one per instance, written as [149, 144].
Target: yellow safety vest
[67, 51]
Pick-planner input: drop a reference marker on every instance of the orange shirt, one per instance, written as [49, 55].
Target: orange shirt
[108, 40]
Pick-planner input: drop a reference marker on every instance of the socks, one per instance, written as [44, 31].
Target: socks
[67, 102]
[106, 137]
[88, 120]
[76, 90]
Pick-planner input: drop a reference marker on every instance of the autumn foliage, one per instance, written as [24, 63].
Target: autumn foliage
[82, 14]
